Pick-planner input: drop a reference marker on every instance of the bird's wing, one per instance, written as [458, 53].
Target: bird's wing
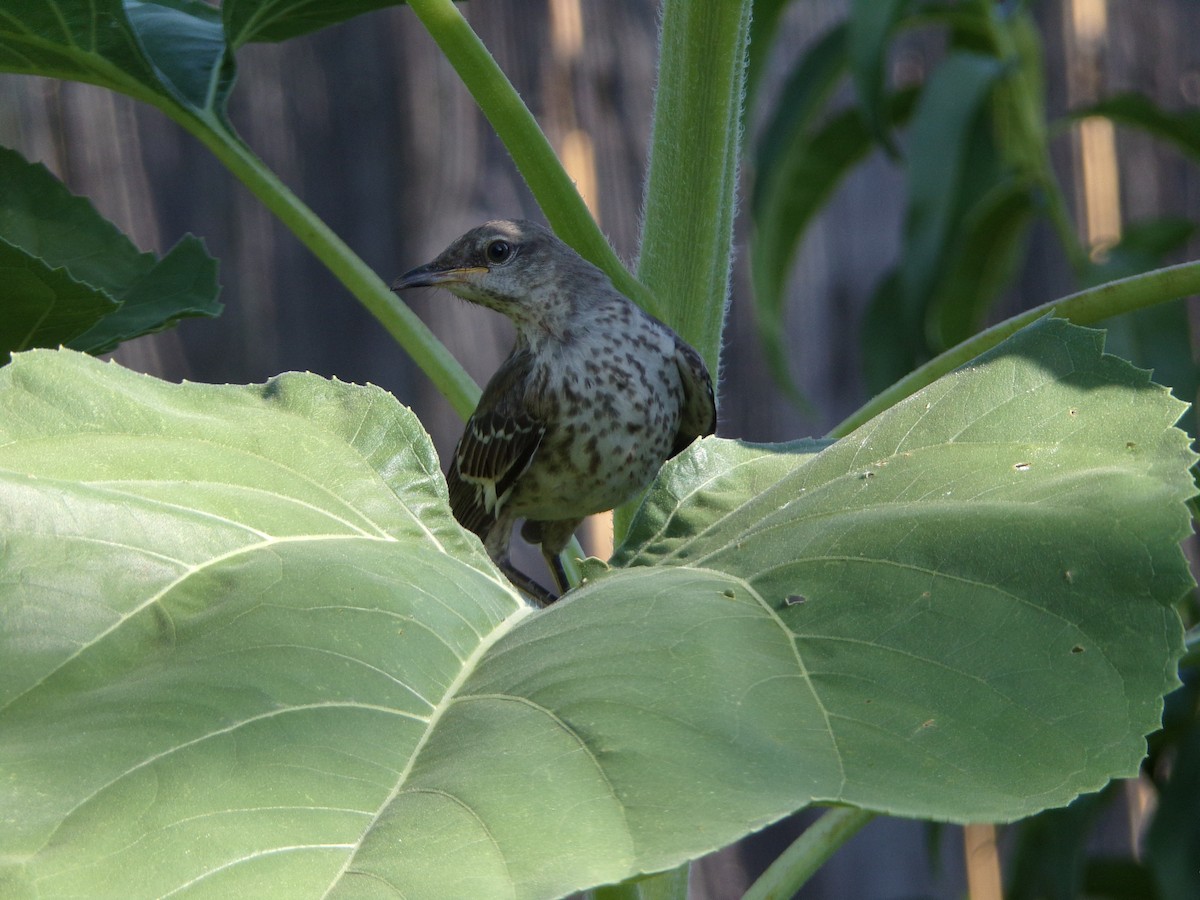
[699, 414]
[497, 445]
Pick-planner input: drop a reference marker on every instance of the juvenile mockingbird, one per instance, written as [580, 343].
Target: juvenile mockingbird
[594, 397]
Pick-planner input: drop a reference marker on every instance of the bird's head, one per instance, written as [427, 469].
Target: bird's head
[514, 267]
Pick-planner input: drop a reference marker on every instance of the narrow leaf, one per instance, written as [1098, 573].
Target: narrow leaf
[871, 24]
[890, 348]
[942, 134]
[764, 23]
[806, 170]
[983, 258]
[1181, 127]
[801, 101]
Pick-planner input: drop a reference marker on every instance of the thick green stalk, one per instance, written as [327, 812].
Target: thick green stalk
[687, 232]
[691, 198]
[534, 157]
[401, 322]
[1084, 308]
[808, 853]
[691, 186]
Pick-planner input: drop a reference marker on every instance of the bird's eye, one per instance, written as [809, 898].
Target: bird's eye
[499, 251]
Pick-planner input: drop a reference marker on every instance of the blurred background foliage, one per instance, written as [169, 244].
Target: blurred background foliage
[914, 171]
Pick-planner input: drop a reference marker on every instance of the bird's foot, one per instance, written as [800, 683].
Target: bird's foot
[527, 586]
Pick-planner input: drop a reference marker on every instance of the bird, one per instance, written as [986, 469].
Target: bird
[594, 397]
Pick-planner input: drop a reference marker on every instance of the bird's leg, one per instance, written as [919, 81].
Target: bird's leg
[554, 562]
[526, 585]
[553, 538]
[495, 542]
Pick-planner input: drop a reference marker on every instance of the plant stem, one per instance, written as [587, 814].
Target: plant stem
[530, 150]
[670, 885]
[1084, 308]
[401, 322]
[691, 186]
[808, 853]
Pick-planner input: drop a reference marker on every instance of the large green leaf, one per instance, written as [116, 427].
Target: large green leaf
[247, 650]
[990, 564]
[72, 278]
[171, 53]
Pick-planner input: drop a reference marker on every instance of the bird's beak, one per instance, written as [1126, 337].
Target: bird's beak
[432, 275]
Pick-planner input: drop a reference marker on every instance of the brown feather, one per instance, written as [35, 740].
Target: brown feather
[497, 445]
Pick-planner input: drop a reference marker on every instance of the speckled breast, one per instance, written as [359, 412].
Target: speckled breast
[612, 419]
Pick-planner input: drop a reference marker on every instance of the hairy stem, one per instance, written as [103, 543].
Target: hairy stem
[808, 853]
[691, 186]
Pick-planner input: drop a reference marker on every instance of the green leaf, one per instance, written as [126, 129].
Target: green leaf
[989, 565]
[800, 102]
[39, 215]
[1020, 97]
[43, 307]
[246, 644]
[170, 53]
[278, 20]
[183, 284]
[167, 52]
[185, 43]
[1181, 128]
[871, 24]
[764, 23]
[72, 277]
[982, 260]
